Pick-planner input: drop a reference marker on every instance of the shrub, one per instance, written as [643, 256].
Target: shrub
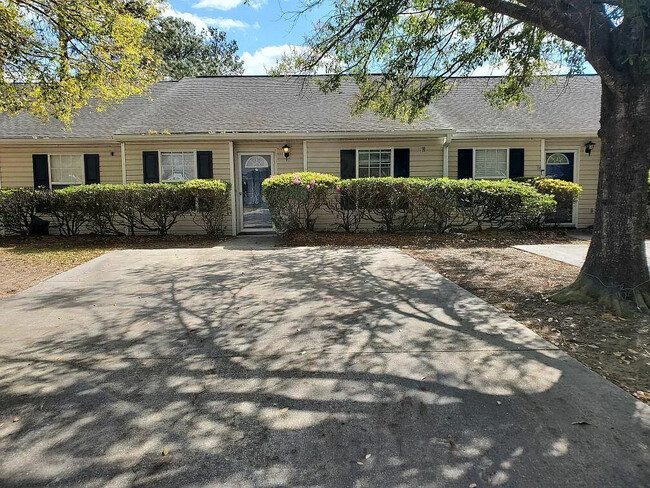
[18, 208]
[211, 200]
[68, 206]
[159, 205]
[433, 204]
[342, 203]
[103, 206]
[384, 200]
[294, 198]
[564, 192]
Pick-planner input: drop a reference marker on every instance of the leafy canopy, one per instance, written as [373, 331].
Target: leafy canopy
[57, 55]
[185, 52]
[418, 45]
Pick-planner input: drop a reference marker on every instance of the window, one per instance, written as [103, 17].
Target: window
[375, 162]
[66, 169]
[177, 166]
[490, 164]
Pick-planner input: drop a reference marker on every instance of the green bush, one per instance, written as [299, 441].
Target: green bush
[342, 203]
[385, 201]
[18, 208]
[294, 198]
[564, 192]
[116, 209]
[211, 201]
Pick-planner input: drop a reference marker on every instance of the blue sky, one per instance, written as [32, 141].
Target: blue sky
[264, 29]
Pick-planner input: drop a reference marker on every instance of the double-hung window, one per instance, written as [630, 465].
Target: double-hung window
[66, 169]
[177, 166]
[490, 164]
[374, 162]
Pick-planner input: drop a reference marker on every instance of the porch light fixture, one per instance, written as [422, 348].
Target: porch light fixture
[286, 150]
[589, 147]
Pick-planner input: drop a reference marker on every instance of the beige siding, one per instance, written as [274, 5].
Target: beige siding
[281, 165]
[588, 167]
[425, 157]
[221, 170]
[16, 161]
[532, 152]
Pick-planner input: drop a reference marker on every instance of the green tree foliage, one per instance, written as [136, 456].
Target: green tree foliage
[186, 52]
[57, 55]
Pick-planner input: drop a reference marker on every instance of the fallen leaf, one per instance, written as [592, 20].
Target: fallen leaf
[284, 410]
[580, 422]
[498, 402]
[16, 419]
[608, 316]
[165, 451]
[633, 351]
[368, 456]
[359, 463]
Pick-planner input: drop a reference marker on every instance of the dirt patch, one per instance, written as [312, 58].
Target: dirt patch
[519, 284]
[26, 261]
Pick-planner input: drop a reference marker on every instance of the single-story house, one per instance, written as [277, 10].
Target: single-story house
[243, 129]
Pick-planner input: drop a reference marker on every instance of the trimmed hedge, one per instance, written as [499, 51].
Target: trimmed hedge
[293, 198]
[117, 209]
[399, 204]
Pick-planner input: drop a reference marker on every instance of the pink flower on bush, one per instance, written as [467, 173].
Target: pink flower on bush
[338, 188]
[296, 181]
[308, 187]
[313, 182]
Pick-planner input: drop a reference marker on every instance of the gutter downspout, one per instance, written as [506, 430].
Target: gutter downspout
[233, 188]
[123, 156]
[445, 154]
[304, 155]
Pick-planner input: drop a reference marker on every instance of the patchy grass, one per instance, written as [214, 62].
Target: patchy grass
[519, 284]
[25, 261]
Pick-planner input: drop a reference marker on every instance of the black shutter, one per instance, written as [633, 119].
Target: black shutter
[41, 171]
[204, 165]
[516, 163]
[348, 164]
[465, 163]
[150, 166]
[91, 168]
[402, 163]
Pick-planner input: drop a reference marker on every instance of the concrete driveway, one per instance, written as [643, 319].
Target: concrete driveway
[574, 254]
[254, 366]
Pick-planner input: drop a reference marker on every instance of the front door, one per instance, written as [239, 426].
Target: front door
[561, 165]
[254, 168]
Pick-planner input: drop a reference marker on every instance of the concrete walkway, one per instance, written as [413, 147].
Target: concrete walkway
[253, 366]
[574, 254]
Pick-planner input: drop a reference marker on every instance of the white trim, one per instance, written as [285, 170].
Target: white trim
[233, 188]
[576, 178]
[375, 148]
[523, 135]
[445, 154]
[305, 165]
[160, 173]
[238, 176]
[49, 169]
[542, 147]
[506, 149]
[123, 158]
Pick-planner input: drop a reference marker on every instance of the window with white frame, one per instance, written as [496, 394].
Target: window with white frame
[66, 169]
[375, 162]
[177, 166]
[490, 164]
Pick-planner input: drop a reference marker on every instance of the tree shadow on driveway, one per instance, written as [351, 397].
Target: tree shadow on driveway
[295, 367]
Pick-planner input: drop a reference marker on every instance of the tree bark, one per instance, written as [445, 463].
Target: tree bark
[616, 271]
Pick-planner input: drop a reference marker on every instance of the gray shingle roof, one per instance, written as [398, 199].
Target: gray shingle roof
[288, 105]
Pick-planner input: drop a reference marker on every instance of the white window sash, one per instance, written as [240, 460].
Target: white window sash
[179, 163]
[58, 159]
[495, 162]
[370, 150]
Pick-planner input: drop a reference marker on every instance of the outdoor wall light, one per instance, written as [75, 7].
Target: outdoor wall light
[286, 150]
[589, 147]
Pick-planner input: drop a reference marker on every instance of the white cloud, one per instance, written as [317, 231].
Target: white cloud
[202, 23]
[218, 4]
[227, 4]
[259, 62]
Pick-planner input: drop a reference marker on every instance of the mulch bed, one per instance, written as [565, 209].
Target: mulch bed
[520, 284]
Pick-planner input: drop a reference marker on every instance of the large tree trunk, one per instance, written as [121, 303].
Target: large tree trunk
[615, 271]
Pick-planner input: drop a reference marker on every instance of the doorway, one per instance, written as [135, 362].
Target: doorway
[254, 168]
